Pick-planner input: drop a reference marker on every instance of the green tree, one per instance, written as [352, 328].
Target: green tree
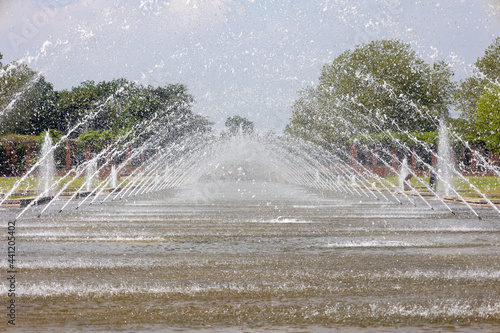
[488, 117]
[382, 85]
[489, 64]
[25, 97]
[238, 124]
[72, 105]
[29, 105]
[470, 89]
[107, 105]
[43, 118]
[119, 105]
[173, 93]
[466, 97]
[306, 123]
[98, 139]
[170, 106]
[112, 98]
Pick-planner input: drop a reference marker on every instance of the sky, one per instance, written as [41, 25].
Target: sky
[237, 57]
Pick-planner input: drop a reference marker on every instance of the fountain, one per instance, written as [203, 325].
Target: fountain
[90, 175]
[113, 176]
[281, 231]
[445, 166]
[255, 232]
[247, 220]
[403, 174]
[47, 167]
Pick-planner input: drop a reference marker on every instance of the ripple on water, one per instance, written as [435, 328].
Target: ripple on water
[276, 260]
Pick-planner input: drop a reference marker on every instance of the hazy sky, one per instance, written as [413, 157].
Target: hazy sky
[245, 57]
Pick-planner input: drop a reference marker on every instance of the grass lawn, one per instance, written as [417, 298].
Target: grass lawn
[6, 183]
[487, 185]
[31, 183]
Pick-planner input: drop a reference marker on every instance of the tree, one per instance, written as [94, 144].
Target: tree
[114, 105]
[25, 97]
[466, 97]
[488, 116]
[307, 122]
[29, 105]
[111, 111]
[470, 89]
[73, 105]
[170, 106]
[43, 118]
[378, 86]
[489, 64]
[239, 125]
[173, 93]
[119, 106]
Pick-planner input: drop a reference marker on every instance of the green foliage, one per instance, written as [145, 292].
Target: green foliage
[73, 105]
[54, 135]
[378, 86]
[105, 111]
[396, 139]
[238, 124]
[466, 97]
[488, 117]
[24, 97]
[466, 130]
[93, 136]
[20, 141]
[99, 139]
[32, 106]
[489, 64]
[119, 105]
[471, 89]
[309, 120]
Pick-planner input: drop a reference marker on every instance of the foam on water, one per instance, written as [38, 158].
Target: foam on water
[50, 236]
[280, 219]
[48, 289]
[375, 244]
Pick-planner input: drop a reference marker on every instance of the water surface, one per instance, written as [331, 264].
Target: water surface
[250, 256]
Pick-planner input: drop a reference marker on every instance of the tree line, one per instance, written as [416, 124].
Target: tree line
[384, 86]
[29, 105]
